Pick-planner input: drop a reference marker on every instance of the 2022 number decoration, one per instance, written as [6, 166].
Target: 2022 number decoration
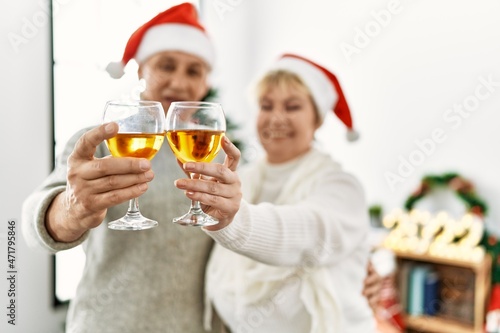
[440, 235]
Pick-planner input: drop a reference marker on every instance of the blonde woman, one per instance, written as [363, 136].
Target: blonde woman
[294, 257]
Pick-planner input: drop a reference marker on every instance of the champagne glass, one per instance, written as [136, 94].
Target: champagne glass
[194, 131]
[141, 134]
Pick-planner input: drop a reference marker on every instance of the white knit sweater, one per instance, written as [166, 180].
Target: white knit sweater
[296, 265]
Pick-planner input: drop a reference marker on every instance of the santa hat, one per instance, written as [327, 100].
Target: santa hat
[176, 29]
[324, 87]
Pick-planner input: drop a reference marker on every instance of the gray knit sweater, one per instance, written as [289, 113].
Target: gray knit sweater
[133, 281]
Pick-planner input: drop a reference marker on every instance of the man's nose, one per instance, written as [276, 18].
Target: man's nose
[177, 80]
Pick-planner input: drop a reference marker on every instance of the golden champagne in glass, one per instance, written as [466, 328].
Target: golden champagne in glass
[195, 145]
[144, 145]
[194, 132]
[141, 134]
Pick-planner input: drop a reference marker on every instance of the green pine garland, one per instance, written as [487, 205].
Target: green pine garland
[462, 188]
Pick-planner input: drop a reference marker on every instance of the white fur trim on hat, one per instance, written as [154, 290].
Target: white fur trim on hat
[176, 37]
[352, 135]
[322, 90]
[115, 69]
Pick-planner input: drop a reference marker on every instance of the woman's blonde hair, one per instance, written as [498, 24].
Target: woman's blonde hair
[283, 79]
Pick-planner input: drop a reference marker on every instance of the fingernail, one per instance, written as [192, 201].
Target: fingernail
[144, 164]
[109, 128]
[188, 166]
[179, 183]
[149, 175]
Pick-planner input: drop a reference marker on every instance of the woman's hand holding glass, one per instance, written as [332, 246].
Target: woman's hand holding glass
[219, 188]
[194, 132]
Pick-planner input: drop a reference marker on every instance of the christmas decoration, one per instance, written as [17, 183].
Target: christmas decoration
[462, 187]
[388, 309]
[324, 86]
[439, 235]
[470, 231]
[175, 29]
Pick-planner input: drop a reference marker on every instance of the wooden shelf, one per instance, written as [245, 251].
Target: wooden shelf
[482, 284]
[439, 325]
[442, 261]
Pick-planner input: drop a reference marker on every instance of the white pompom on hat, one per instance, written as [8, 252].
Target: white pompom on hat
[175, 29]
[324, 87]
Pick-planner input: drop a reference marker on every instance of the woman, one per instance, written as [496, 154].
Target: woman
[294, 256]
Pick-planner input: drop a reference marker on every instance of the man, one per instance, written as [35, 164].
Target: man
[139, 281]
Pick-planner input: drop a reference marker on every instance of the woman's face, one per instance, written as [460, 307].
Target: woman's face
[174, 76]
[286, 123]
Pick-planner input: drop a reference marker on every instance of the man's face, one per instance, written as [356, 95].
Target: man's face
[174, 76]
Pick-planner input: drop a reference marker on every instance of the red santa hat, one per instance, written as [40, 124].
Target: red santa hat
[324, 87]
[176, 29]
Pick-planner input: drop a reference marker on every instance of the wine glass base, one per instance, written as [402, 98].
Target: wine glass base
[196, 220]
[132, 223]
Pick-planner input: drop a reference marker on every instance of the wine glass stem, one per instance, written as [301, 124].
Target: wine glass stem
[195, 205]
[133, 207]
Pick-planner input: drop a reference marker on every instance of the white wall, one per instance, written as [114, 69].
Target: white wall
[25, 87]
[402, 82]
